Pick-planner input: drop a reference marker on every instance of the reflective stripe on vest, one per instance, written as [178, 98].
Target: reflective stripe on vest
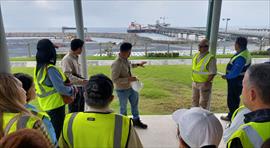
[22, 122]
[199, 71]
[70, 133]
[117, 131]
[16, 121]
[253, 136]
[68, 129]
[10, 123]
[48, 97]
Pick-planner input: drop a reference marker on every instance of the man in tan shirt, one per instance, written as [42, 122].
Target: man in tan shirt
[71, 67]
[122, 77]
[203, 72]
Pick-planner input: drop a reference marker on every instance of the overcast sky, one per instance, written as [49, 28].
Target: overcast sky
[22, 14]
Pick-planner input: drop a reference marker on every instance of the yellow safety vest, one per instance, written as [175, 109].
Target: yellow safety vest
[246, 55]
[96, 130]
[15, 121]
[199, 70]
[236, 111]
[252, 134]
[48, 97]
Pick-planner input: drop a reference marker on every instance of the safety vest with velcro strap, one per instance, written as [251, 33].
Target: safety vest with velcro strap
[15, 121]
[200, 72]
[86, 129]
[48, 97]
[246, 55]
[252, 134]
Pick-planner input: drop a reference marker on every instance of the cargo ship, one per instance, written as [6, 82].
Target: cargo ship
[138, 28]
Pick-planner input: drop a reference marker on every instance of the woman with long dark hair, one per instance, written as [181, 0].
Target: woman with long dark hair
[50, 84]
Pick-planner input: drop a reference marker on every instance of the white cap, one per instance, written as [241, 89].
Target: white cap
[198, 127]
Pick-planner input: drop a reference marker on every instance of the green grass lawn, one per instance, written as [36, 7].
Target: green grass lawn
[166, 88]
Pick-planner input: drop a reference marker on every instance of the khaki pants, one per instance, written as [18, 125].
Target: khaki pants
[201, 95]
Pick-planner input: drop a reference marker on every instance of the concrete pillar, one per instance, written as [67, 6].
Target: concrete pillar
[182, 35]
[4, 58]
[80, 34]
[215, 26]
[209, 18]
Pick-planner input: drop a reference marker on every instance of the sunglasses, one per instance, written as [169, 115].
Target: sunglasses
[202, 46]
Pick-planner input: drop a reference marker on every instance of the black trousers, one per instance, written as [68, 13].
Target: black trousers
[57, 118]
[78, 104]
[234, 92]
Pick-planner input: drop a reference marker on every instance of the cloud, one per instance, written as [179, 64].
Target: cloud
[114, 13]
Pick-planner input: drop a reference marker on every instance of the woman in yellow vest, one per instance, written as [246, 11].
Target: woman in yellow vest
[50, 83]
[29, 87]
[13, 114]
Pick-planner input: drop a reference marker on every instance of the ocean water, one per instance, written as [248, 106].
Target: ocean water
[22, 47]
[59, 29]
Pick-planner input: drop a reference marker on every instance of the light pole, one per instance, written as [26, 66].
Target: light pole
[227, 20]
[163, 18]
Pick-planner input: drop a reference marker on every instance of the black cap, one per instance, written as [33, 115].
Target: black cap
[99, 87]
[46, 52]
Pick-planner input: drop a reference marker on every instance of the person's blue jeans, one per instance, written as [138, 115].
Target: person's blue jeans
[128, 94]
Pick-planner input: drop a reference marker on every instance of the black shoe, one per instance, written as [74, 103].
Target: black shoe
[139, 124]
[225, 118]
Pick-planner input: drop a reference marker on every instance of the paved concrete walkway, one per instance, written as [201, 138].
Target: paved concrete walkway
[161, 132]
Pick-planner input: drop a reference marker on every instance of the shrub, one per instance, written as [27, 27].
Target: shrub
[159, 54]
[262, 52]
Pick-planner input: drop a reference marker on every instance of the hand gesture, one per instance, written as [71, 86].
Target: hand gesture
[142, 63]
[84, 82]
